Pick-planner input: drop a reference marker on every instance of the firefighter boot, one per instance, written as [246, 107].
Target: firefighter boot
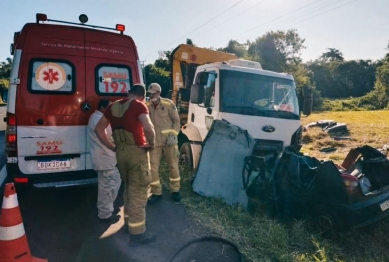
[141, 239]
[176, 197]
[154, 199]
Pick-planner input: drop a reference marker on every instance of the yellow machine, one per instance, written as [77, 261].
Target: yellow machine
[184, 60]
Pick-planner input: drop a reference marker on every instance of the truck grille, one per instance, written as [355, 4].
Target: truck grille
[268, 145]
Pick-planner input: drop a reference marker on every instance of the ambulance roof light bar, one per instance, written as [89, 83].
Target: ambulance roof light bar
[83, 19]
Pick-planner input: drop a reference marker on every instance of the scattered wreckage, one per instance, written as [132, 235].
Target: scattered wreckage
[353, 194]
[331, 127]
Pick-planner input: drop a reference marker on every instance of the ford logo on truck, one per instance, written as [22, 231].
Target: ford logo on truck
[268, 129]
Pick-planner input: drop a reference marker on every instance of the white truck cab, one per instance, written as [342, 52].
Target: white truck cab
[239, 91]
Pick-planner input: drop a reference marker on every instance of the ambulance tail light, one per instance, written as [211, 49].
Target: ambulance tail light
[11, 136]
[120, 28]
[11, 119]
[41, 18]
[21, 180]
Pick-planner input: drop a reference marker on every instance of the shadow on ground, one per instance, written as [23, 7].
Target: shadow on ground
[61, 225]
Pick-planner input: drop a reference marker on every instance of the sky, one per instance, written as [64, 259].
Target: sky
[358, 28]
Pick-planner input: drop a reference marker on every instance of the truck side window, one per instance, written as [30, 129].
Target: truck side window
[51, 76]
[207, 80]
[113, 79]
[209, 91]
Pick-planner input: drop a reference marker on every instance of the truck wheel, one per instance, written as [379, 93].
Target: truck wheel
[186, 158]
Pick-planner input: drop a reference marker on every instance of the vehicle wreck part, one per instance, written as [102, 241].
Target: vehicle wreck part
[329, 125]
[324, 123]
[320, 123]
[335, 127]
[341, 138]
[346, 203]
[220, 164]
[375, 166]
[328, 150]
[293, 179]
[365, 185]
[351, 183]
[326, 219]
[255, 175]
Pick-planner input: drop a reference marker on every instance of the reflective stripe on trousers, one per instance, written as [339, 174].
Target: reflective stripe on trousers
[171, 156]
[134, 167]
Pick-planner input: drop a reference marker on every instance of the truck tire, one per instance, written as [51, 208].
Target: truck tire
[186, 158]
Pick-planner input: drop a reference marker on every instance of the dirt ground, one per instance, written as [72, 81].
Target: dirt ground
[61, 226]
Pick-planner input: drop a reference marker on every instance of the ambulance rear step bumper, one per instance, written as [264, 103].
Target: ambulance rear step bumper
[70, 183]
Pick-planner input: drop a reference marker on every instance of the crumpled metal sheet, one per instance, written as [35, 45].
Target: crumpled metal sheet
[219, 173]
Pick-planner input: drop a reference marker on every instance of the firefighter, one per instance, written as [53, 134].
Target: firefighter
[164, 116]
[134, 136]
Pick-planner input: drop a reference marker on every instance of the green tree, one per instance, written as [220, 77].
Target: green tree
[234, 47]
[332, 55]
[159, 72]
[189, 42]
[381, 88]
[277, 51]
[5, 71]
[343, 79]
[163, 60]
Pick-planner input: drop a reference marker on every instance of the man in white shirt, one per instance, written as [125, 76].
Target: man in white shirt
[104, 163]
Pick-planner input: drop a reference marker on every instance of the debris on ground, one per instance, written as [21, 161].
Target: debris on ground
[320, 123]
[341, 137]
[335, 127]
[328, 126]
[328, 150]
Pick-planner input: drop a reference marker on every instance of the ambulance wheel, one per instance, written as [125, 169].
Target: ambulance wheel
[186, 158]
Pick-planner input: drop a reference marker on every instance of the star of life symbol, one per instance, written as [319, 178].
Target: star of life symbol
[50, 76]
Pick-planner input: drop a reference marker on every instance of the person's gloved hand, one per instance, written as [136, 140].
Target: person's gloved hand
[171, 140]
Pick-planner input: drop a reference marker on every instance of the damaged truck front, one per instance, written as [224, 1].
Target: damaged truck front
[239, 91]
[243, 137]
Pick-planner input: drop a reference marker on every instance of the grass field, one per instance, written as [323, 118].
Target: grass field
[365, 127]
[263, 239]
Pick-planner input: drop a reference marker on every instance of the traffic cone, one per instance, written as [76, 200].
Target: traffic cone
[13, 241]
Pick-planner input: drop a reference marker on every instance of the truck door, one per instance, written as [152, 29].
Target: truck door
[49, 113]
[202, 115]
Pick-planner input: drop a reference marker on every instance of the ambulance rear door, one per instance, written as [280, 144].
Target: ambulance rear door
[51, 104]
[111, 69]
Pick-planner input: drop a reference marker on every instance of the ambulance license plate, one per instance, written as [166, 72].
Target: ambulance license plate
[53, 164]
[384, 205]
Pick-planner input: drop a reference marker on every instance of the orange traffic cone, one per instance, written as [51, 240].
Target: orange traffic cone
[13, 240]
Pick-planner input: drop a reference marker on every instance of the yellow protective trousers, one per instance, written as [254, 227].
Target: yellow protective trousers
[171, 155]
[133, 164]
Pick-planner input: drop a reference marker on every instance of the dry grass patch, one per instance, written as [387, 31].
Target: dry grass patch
[365, 127]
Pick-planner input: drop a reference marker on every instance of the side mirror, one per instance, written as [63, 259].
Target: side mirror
[4, 95]
[196, 94]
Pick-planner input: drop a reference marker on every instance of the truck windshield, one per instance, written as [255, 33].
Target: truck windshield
[259, 95]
